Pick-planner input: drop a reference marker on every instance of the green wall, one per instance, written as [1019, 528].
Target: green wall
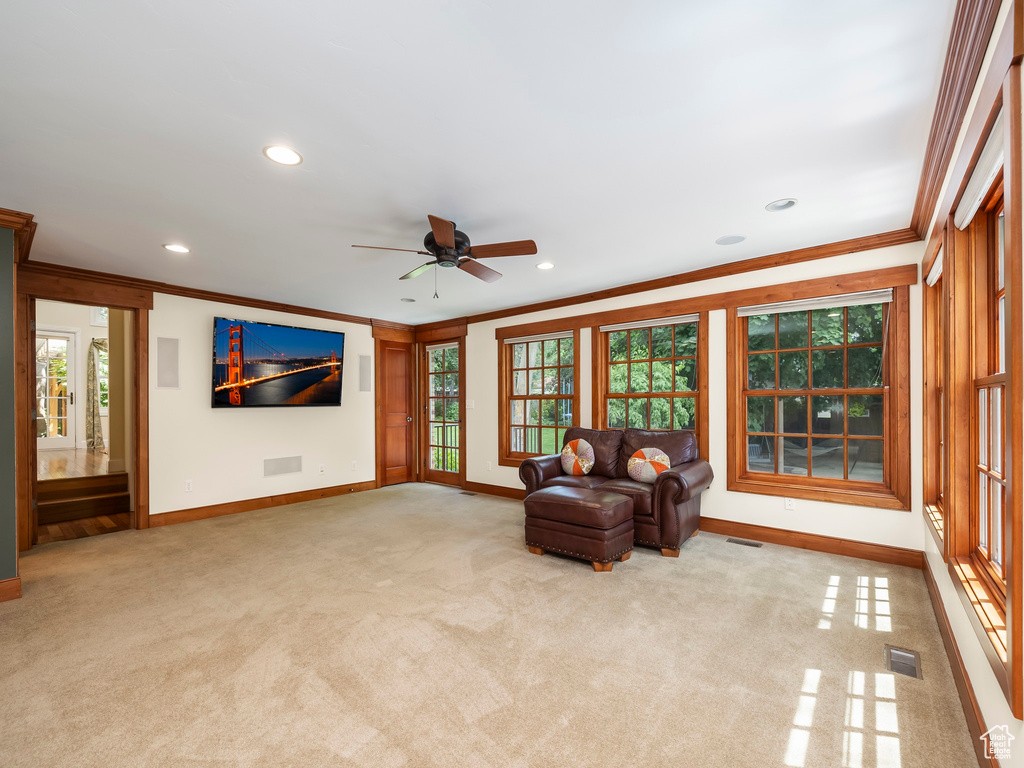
[8, 510]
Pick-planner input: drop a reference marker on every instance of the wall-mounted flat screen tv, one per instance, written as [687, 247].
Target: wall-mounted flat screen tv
[265, 365]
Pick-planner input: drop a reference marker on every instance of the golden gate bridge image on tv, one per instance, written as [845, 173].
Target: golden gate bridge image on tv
[261, 364]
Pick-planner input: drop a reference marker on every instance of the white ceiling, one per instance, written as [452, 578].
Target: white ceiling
[624, 137]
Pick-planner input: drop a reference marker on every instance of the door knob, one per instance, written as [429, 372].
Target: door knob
[408, 418]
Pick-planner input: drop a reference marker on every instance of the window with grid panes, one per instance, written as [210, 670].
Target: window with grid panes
[542, 394]
[444, 422]
[814, 394]
[652, 377]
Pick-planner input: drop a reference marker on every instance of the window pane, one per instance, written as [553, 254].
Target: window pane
[550, 381]
[983, 510]
[58, 348]
[548, 413]
[566, 386]
[865, 366]
[760, 414]
[759, 454]
[560, 441]
[566, 356]
[792, 417]
[827, 415]
[760, 332]
[532, 441]
[549, 441]
[864, 324]
[827, 371]
[864, 460]
[1000, 336]
[536, 381]
[533, 412]
[661, 341]
[451, 359]
[517, 440]
[564, 412]
[637, 413]
[865, 414]
[686, 340]
[551, 352]
[792, 330]
[618, 377]
[686, 375]
[684, 413]
[518, 355]
[661, 375]
[794, 455]
[436, 359]
[535, 355]
[640, 344]
[517, 412]
[996, 550]
[761, 371]
[451, 383]
[451, 409]
[827, 457]
[616, 413]
[827, 327]
[617, 349]
[983, 420]
[104, 400]
[995, 429]
[661, 413]
[792, 370]
[519, 383]
[437, 409]
[639, 377]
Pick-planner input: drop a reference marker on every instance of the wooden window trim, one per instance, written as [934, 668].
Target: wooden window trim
[896, 492]
[599, 354]
[506, 457]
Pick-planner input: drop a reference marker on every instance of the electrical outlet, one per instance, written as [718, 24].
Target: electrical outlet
[323, 468]
[188, 486]
[353, 466]
[470, 404]
[790, 505]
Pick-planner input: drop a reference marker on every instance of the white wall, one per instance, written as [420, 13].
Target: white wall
[222, 450]
[881, 526]
[64, 316]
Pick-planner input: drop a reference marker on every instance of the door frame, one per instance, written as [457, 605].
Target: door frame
[74, 335]
[457, 479]
[37, 281]
[384, 333]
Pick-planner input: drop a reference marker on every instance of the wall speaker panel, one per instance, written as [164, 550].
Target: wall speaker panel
[167, 363]
[284, 466]
[365, 365]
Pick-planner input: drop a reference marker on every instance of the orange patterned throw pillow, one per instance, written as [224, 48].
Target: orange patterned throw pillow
[646, 464]
[577, 457]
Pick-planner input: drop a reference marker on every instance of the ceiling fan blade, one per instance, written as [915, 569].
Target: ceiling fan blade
[444, 231]
[382, 248]
[418, 271]
[477, 269]
[515, 248]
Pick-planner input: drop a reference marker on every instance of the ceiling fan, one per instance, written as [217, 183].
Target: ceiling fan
[451, 248]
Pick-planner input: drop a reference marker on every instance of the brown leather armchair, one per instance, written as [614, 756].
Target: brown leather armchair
[666, 512]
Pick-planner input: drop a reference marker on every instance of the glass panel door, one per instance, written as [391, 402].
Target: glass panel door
[444, 412]
[55, 399]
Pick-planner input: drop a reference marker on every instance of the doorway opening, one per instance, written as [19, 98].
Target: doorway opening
[82, 419]
[445, 437]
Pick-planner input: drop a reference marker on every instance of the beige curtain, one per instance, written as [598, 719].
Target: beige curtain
[93, 427]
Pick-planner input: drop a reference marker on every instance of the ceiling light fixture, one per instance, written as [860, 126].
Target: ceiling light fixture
[409, 301]
[176, 248]
[283, 155]
[730, 240]
[545, 265]
[783, 204]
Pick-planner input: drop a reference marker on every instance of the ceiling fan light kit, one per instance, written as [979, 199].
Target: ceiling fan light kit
[452, 248]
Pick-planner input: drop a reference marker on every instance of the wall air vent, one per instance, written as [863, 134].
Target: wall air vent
[745, 543]
[467, 493]
[902, 661]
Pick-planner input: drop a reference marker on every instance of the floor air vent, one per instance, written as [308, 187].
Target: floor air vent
[467, 493]
[903, 662]
[745, 543]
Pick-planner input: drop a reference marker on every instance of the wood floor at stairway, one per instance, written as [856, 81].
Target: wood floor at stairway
[53, 465]
[79, 529]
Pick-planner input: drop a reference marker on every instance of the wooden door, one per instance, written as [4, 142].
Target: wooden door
[444, 437]
[396, 398]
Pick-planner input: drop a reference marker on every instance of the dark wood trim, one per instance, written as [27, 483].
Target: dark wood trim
[968, 701]
[10, 589]
[64, 285]
[24, 389]
[424, 473]
[494, 490]
[879, 553]
[890, 277]
[703, 384]
[390, 333]
[899, 462]
[990, 99]
[446, 332]
[393, 325]
[378, 415]
[248, 505]
[973, 23]
[24, 232]
[855, 245]
[55, 272]
[140, 417]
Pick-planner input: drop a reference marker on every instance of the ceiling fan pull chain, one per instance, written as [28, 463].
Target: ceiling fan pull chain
[435, 283]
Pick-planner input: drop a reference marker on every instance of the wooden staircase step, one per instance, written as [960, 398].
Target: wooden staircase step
[93, 505]
[78, 487]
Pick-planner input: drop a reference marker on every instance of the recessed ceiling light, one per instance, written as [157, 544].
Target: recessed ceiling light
[176, 247]
[780, 205]
[545, 265]
[730, 240]
[282, 155]
[409, 301]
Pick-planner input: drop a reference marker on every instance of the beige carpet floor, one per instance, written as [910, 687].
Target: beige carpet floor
[410, 627]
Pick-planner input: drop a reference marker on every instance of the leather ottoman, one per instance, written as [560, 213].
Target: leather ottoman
[590, 524]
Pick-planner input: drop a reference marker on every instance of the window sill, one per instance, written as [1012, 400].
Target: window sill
[935, 524]
[864, 496]
[985, 614]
